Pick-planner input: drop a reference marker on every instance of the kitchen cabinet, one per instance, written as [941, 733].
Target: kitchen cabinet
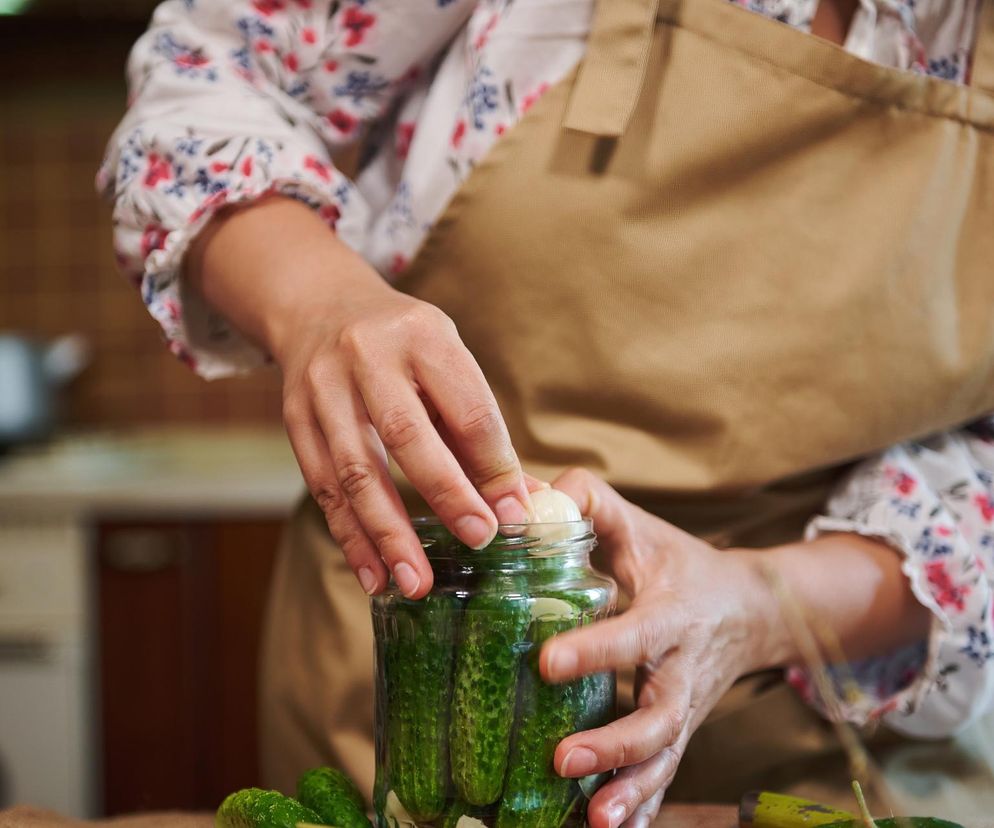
[180, 607]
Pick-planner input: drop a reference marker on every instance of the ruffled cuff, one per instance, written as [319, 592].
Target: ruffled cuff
[164, 200]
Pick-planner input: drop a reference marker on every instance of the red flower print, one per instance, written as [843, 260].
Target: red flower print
[945, 592]
[458, 133]
[904, 483]
[219, 167]
[312, 163]
[398, 264]
[153, 238]
[342, 121]
[158, 170]
[309, 36]
[247, 166]
[500, 129]
[219, 198]
[356, 21]
[290, 62]
[943, 531]
[191, 60]
[263, 46]
[986, 506]
[268, 7]
[330, 65]
[529, 100]
[331, 214]
[405, 132]
[481, 38]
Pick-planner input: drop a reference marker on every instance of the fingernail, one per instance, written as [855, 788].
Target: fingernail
[562, 662]
[407, 579]
[367, 579]
[474, 531]
[510, 510]
[616, 814]
[579, 762]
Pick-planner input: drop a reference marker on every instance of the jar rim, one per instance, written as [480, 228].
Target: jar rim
[513, 539]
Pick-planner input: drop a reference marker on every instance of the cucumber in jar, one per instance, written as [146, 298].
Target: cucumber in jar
[486, 679]
[535, 796]
[418, 665]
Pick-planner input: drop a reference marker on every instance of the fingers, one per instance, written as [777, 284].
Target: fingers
[360, 471]
[637, 636]
[453, 381]
[408, 434]
[634, 793]
[312, 455]
[631, 739]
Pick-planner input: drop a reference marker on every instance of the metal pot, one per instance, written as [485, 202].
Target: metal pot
[31, 373]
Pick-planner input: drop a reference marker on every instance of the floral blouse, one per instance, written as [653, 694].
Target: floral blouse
[234, 99]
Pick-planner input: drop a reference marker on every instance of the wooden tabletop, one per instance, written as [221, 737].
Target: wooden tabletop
[672, 816]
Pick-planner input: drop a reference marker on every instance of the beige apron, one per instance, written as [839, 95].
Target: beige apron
[716, 265]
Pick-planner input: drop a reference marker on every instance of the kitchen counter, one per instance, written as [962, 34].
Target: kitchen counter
[153, 472]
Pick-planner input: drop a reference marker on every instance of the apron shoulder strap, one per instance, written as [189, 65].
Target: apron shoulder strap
[982, 70]
[610, 79]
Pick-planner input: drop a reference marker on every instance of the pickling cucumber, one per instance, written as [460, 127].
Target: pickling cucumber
[418, 656]
[535, 796]
[486, 679]
[258, 808]
[333, 797]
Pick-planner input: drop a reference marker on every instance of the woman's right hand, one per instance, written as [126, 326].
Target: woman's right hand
[367, 371]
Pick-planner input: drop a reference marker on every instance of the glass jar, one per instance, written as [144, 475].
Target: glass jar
[466, 729]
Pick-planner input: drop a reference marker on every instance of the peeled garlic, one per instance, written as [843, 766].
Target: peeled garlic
[396, 814]
[553, 506]
[469, 822]
[551, 609]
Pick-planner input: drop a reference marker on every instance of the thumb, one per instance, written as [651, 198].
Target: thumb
[611, 513]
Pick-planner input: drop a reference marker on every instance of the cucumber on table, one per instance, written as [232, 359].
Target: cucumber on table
[333, 797]
[418, 664]
[535, 796]
[258, 808]
[486, 679]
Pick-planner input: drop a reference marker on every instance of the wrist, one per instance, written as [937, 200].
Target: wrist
[770, 642]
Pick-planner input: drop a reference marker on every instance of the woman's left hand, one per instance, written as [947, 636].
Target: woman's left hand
[698, 620]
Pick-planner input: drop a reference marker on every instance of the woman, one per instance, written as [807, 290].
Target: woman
[717, 264]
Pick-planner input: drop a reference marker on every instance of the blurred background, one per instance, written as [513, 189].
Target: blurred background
[140, 507]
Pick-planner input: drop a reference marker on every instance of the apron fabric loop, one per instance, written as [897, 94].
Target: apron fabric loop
[610, 79]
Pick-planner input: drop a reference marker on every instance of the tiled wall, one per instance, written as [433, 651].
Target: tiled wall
[57, 272]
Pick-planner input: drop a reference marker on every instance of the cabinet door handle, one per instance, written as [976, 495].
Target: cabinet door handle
[143, 550]
[24, 649]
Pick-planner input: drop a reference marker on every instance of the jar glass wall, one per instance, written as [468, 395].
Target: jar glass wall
[465, 727]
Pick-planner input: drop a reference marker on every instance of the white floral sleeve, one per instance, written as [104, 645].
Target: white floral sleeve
[234, 99]
[933, 501]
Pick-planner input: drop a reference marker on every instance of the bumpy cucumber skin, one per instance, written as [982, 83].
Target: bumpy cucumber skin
[333, 797]
[486, 680]
[535, 796]
[258, 808]
[419, 663]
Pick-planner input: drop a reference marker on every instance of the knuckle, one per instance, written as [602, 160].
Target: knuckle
[295, 412]
[398, 428]
[319, 373]
[671, 724]
[444, 493]
[353, 338]
[329, 498]
[355, 477]
[480, 422]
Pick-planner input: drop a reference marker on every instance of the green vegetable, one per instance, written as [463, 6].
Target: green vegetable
[485, 686]
[258, 808]
[763, 809]
[535, 796]
[897, 822]
[418, 681]
[333, 797]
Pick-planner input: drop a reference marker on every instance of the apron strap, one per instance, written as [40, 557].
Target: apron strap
[982, 71]
[610, 79]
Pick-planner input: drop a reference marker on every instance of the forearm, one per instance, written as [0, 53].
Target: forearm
[270, 265]
[852, 585]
